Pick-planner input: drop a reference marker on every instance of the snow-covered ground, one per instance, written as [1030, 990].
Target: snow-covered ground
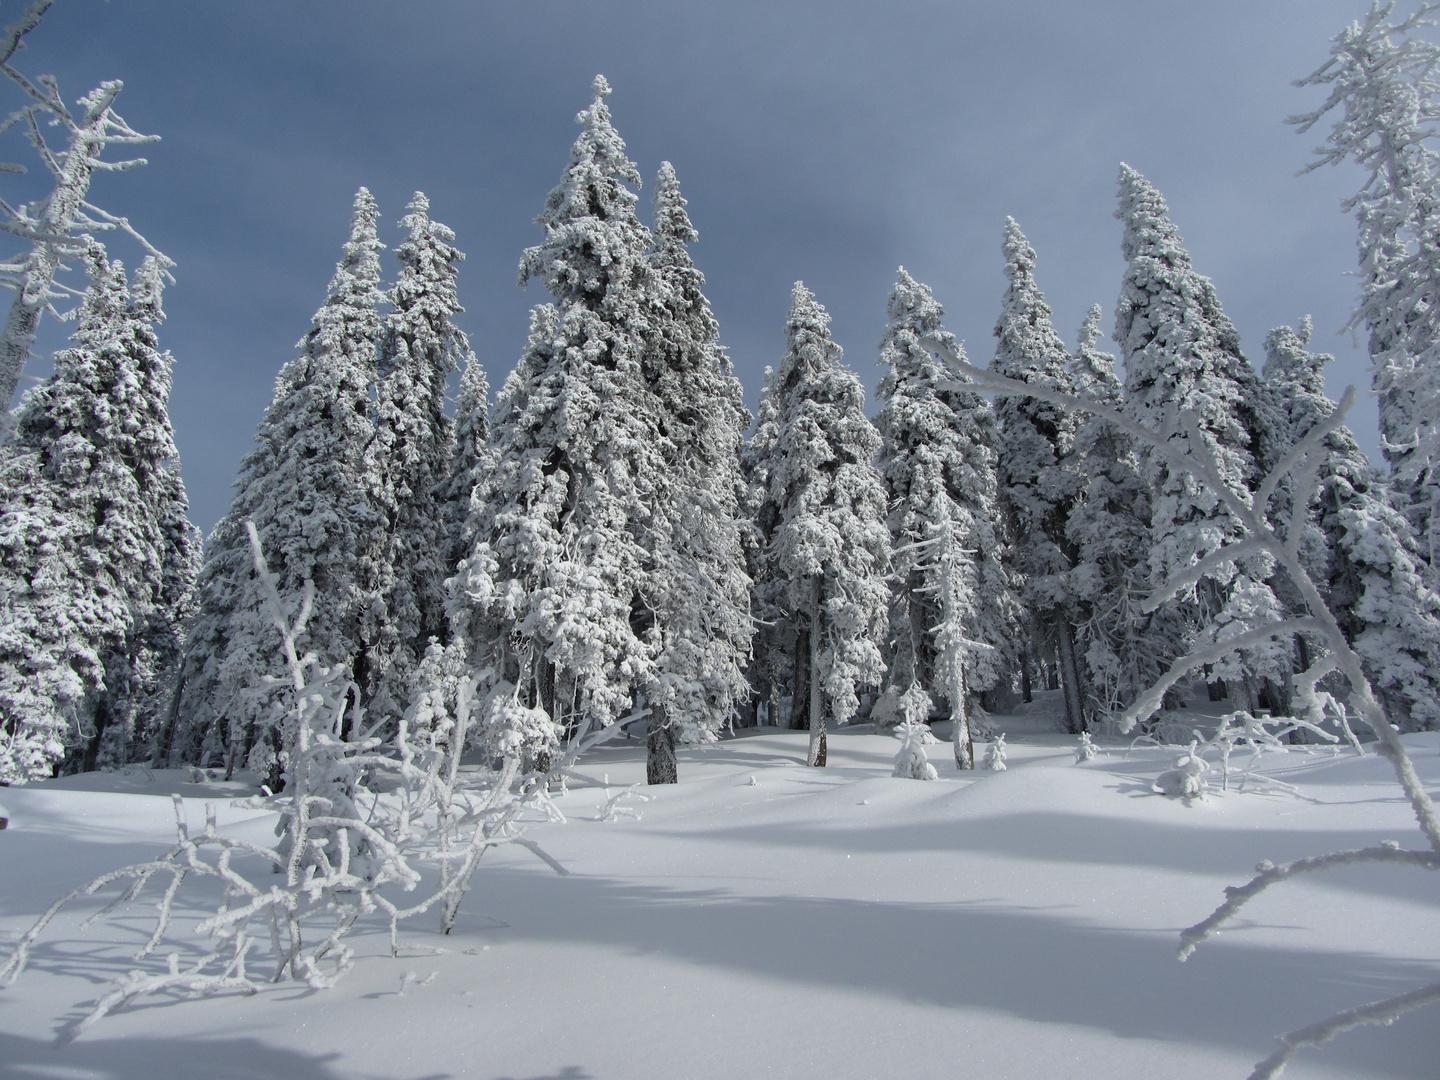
[820, 923]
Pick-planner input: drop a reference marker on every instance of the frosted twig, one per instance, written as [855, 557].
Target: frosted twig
[1237, 896]
[1377, 1012]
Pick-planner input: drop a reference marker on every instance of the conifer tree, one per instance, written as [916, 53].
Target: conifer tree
[937, 458]
[1183, 365]
[551, 598]
[697, 584]
[1124, 650]
[408, 465]
[305, 487]
[1037, 482]
[829, 547]
[1358, 546]
[98, 556]
[468, 459]
[1382, 80]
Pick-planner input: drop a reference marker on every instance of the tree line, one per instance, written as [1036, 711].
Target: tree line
[603, 539]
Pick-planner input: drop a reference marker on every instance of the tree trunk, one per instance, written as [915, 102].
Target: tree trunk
[800, 683]
[773, 707]
[960, 736]
[1026, 695]
[660, 767]
[816, 755]
[1070, 677]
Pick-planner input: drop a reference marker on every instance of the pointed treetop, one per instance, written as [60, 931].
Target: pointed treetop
[147, 290]
[807, 315]
[913, 303]
[1148, 229]
[671, 221]
[1093, 368]
[1287, 360]
[1019, 255]
[600, 87]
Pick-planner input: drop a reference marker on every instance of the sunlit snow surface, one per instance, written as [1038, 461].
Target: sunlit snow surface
[821, 923]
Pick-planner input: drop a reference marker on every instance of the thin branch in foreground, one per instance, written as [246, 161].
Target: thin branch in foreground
[1377, 1012]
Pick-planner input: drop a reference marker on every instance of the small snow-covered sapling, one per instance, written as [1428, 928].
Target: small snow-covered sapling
[995, 756]
[910, 761]
[1187, 780]
[1087, 749]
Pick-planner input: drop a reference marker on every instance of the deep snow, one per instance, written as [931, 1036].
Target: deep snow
[819, 923]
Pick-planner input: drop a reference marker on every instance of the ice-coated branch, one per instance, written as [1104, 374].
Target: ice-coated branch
[57, 226]
[1267, 874]
[1377, 1012]
[1192, 457]
[1150, 701]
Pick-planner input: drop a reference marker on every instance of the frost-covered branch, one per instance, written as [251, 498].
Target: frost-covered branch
[1267, 874]
[1377, 1012]
[56, 227]
[1187, 454]
[357, 822]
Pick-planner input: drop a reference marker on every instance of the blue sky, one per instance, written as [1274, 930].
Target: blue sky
[824, 141]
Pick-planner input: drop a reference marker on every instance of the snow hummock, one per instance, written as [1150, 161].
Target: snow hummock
[764, 919]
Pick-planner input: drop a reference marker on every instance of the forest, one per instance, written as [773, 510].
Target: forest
[431, 599]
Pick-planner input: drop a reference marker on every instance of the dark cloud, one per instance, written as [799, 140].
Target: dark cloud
[817, 140]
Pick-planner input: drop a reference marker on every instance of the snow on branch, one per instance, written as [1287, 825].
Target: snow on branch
[357, 822]
[1378, 1012]
[1179, 445]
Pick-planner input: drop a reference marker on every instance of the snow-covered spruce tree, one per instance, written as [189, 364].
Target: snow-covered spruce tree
[97, 554]
[468, 459]
[829, 544]
[552, 597]
[1383, 82]
[1184, 370]
[1358, 547]
[1037, 482]
[1124, 650]
[937, 458]
[59, 226]
[306, 489]
[696, 584]
[409, 464]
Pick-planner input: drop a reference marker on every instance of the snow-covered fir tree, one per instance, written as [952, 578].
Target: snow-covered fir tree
[1037, 482]
[1383, 82]
[468, 460]
[408, 465]
[1359, 548]
[696, 584]
[954, 617]
[98, 556]
[552, 597]
[306, 488]
[823, 510]
[1124, 650]
[1183, 365]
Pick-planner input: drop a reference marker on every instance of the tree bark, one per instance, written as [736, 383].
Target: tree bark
[1026, 694]
[816, 754]
[960, 735]
[800, 682]
[1070, 677]
[660, 766]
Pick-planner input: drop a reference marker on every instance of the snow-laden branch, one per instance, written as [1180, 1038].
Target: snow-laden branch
[358, 820]
[1237, 896]
[59, 224]
[1179, 445]
[1377, 1012]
